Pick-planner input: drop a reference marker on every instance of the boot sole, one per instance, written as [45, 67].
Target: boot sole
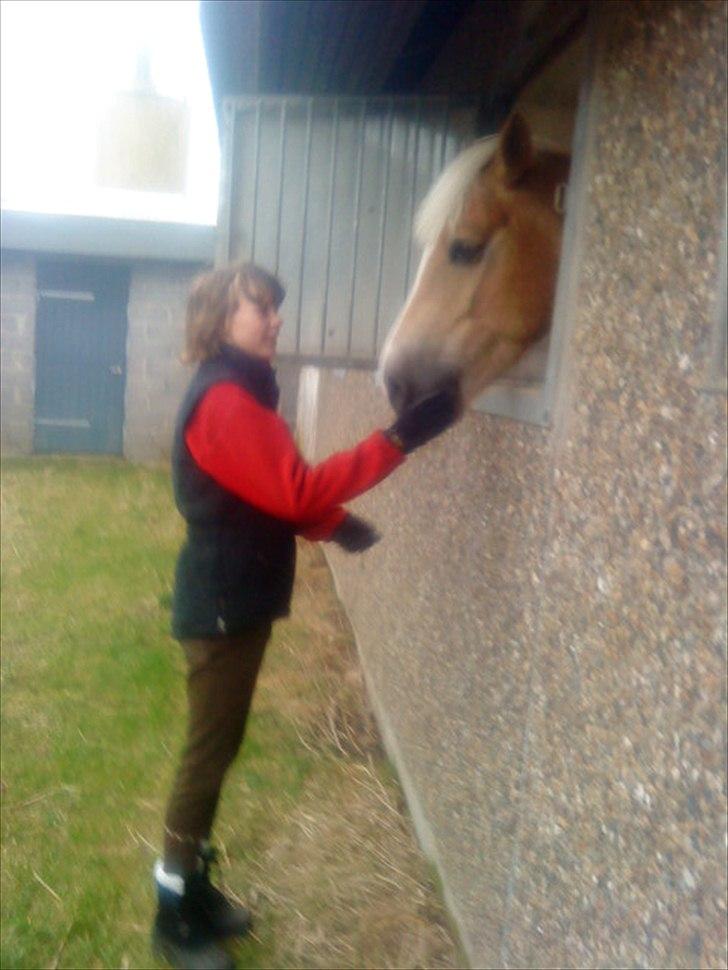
[234, 934]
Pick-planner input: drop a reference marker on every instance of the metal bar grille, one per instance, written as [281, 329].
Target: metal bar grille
[324, 191]
[226, 195]
[386, 149]
[332, 188]
[257, 172]
[357, 214]
[306, 180]
[413, 189]
[281, 169]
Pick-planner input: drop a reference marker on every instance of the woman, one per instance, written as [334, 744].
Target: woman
[245, 493]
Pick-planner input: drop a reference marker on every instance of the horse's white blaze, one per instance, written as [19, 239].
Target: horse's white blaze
[441, 205]
[435, 318]
[392, 335]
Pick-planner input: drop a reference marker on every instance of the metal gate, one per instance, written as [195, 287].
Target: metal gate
[81, 326]
[323, 192]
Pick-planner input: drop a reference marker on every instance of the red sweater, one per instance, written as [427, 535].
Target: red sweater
[249, 450]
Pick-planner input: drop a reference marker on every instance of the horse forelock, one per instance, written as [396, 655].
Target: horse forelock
[444, 201]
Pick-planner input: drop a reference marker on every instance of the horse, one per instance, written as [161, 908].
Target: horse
[490, 229]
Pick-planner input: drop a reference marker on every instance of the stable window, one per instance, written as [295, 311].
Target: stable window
[557, 105]
[323, 191]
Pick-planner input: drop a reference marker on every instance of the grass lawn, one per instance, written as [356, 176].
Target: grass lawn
[312, 829]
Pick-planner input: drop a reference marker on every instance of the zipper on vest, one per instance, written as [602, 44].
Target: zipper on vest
[221, 625]
[220, 570]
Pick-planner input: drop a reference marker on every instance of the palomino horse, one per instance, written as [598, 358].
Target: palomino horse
[490, 228]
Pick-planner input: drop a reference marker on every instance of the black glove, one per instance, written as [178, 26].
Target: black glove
[427, 419]
[355, 535]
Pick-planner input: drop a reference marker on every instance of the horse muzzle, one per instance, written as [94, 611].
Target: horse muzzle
[409, 381]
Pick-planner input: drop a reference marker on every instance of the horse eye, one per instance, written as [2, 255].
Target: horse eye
[465, 253]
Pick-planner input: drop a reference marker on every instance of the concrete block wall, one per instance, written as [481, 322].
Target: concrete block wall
[17, 356]
[155, 377]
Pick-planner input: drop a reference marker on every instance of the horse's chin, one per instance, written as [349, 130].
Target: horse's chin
[470, 390]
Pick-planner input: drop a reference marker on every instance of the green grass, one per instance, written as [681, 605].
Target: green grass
[93, 718]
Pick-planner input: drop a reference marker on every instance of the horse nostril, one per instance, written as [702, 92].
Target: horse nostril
[396, 392]
[407, 386]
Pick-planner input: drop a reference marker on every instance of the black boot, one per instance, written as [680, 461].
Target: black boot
[182, 934]
[224, 917]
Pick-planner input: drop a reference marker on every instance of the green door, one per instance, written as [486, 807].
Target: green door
[80, 368]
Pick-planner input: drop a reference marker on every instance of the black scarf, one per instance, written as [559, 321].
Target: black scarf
[257, 373]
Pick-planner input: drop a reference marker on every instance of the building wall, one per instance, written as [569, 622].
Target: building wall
[17, 356]
[543, 625]
[155, 378]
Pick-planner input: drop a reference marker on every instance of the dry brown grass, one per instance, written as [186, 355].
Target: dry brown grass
[343, 883]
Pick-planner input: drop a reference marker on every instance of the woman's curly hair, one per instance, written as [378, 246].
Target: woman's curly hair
[215, 295]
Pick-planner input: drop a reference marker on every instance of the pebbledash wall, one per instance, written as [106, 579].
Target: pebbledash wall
[543, 624]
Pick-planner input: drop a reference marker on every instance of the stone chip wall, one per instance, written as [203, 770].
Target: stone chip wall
[543, 625]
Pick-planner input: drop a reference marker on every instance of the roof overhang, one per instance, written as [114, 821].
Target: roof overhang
[110, 238]
[484, 48]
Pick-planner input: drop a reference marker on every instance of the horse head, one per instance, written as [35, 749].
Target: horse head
[490, 229]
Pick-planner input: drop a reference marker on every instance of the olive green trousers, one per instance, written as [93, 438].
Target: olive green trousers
[221, 678]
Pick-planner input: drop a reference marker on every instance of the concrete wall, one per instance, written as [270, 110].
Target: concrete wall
[543, 625]
[17, 354]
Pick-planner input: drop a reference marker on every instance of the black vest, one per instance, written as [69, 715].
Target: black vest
[236, 568]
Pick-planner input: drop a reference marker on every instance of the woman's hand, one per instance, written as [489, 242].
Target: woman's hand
[355, 534]
[425, 420]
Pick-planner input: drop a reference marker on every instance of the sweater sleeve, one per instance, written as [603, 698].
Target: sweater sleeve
[249, 449]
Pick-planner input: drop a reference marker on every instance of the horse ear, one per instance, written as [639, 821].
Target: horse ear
[516, 148]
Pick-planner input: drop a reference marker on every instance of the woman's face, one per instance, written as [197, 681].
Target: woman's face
[254, 326]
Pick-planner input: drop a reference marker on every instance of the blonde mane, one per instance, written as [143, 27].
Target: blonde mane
[444, 201]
